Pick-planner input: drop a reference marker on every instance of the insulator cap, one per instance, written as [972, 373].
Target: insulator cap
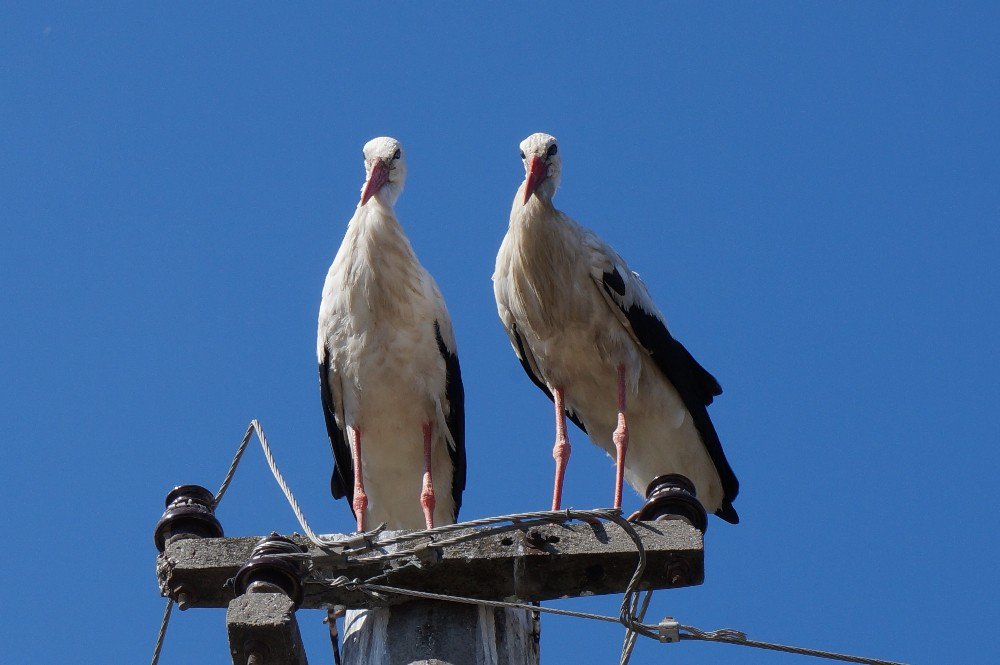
[267, 570]
[190, 513]
[673, 495]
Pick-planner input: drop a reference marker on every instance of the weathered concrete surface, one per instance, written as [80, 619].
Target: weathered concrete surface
[263, 626]
[443, 633]
[540, 563]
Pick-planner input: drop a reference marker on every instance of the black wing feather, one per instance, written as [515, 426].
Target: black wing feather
[522, 355]
[455, 393]
[695, 385]
[342, 480]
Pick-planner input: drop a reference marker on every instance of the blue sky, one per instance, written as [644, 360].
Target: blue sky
[810, 192]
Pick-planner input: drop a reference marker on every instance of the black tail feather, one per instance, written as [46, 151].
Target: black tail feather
[728, 513]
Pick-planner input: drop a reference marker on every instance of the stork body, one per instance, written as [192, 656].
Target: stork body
[588, 334]
[389, 375]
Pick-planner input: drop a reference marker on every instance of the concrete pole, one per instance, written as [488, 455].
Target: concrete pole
[442, 633]
[263, 630]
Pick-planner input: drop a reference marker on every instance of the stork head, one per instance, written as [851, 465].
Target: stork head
[385, 170]
[542, 166]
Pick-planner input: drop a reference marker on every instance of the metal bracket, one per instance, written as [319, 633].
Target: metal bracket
[668, 630]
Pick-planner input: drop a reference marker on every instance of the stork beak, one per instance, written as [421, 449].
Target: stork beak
[537, 173]
[378, 177]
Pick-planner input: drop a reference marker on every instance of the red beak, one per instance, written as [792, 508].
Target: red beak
[537, 173]
[379, 176]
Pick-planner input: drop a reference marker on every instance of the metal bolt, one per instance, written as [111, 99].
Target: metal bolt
[257, 652]
[678, 572]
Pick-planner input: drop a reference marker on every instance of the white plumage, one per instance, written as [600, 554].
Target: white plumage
[589, 335]
[389, 373]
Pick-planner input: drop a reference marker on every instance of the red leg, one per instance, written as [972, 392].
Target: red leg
[427, 492]
[360, 503]
[620, 437]
[561, 451]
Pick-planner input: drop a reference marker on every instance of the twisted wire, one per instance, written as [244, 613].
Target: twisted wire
[630, 635]
[163, 631]
[255, 427]
[730, 636]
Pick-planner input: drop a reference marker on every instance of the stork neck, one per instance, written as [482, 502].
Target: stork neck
[537, 209]
[389, 193]
[375, 226]
[537, 216]
[378, 254]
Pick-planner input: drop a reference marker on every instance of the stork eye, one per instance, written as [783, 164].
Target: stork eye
[522, 155]
[396, 154]
[553, 149]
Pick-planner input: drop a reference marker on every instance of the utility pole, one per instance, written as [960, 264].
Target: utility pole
[263, 582]
[437, 631]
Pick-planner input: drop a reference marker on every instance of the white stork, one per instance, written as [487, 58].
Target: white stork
[388, 371]
[588, 334]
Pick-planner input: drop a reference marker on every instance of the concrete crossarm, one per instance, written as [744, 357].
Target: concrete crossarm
[506, 563]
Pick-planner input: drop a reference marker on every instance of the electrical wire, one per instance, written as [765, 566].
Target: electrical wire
[163, 631]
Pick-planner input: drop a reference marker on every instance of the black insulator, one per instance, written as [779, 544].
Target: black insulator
[190, 513]
[268, 570]
[673, 495]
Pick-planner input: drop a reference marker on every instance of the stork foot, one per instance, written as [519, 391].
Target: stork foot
[672, 496]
